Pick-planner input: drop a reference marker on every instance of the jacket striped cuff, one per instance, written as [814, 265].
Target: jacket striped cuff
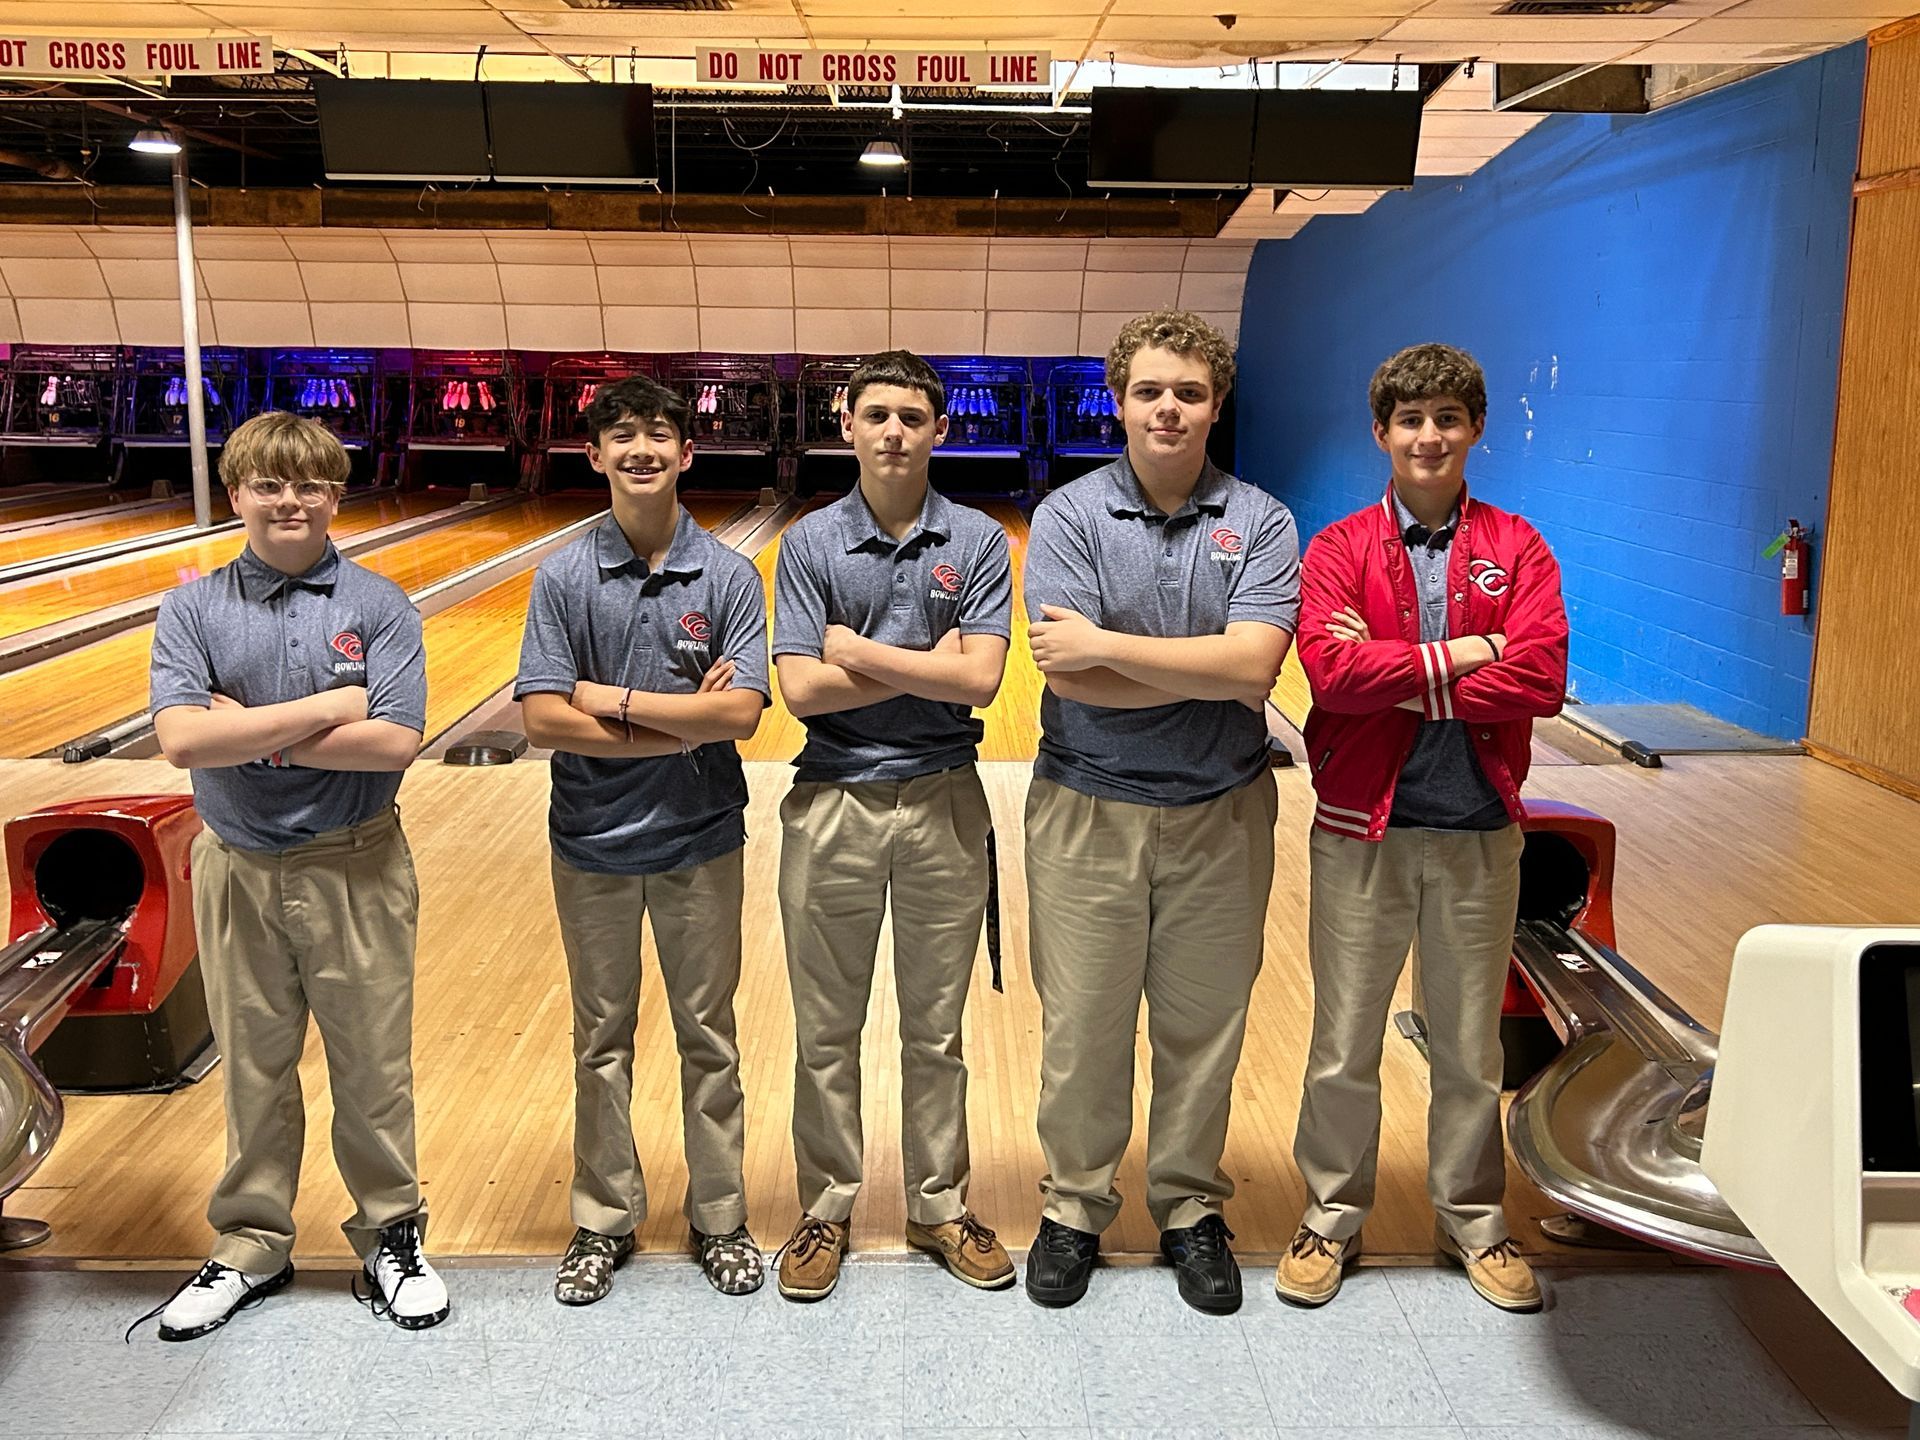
[1357, 824]
[1436, 670]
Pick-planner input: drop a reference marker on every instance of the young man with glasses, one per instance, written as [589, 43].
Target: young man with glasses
[292, 683]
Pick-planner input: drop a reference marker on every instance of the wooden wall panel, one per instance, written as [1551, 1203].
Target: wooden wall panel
[1866, 682]
[1890, 127]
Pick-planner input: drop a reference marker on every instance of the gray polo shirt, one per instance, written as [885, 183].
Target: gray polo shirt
[1441, 785]
[260, 637]
[1100, 547]
[838, 567]
[599, 613]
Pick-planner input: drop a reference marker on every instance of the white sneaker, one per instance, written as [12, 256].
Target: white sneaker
[404, 1286]
[213, 1297]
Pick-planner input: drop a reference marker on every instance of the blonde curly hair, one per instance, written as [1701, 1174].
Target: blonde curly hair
[1182, 332]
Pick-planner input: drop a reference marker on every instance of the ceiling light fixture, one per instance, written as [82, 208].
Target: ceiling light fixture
[883, 152]
[154, 142]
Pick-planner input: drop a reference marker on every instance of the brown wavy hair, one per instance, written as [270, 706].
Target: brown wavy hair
[1182, 332]
[1426, 372]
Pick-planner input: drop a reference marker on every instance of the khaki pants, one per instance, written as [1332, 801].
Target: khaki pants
[1126, 900]
[696, 927]
[326, 927]
[847, 850]
[1456, 893]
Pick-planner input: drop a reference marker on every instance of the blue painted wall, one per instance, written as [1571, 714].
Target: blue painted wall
[1657, 302]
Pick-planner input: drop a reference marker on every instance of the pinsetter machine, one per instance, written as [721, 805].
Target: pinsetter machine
[99, 984]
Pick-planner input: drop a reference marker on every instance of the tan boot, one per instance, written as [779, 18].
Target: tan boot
[969, 1248]
[1498, 1272]
[810, 1260]
[1311, 1270]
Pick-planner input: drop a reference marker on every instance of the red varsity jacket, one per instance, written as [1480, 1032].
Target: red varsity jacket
[1501, 578]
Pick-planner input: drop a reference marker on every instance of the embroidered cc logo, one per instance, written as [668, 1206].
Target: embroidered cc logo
[1491, 579]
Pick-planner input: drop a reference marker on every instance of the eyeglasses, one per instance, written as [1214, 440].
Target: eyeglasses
[307, 492]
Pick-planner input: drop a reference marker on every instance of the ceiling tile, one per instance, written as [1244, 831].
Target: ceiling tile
[841, 331]
[852, 289]
[652, 330]
[457, 327]
[938, 289]
[263, 322]
[361, 323]
[750, 331]
[54, 278]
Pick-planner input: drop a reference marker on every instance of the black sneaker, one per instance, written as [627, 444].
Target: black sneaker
[1209, 1275]
[1059, 1263]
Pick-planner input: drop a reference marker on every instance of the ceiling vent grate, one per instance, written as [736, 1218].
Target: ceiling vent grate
[1583, 7]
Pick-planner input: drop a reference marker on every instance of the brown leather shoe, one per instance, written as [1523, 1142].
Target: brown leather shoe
[1498, 1272]
[969, 1248]
[1313, 1267]
[810, 1260]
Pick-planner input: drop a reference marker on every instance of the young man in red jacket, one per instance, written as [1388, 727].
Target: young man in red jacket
[1433, 634]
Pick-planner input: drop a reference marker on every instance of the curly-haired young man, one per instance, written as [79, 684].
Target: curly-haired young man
[1433, 633]
[1163, 596]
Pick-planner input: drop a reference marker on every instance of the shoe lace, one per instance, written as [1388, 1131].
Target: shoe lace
[1311, 1242]
[1208, 1240]
[399, 1250]
[1508, 1249]
[973, 1233]
[1058, 1239]
[205, 1278]
[812, 1234]
[738, 1237]
[592, 1242]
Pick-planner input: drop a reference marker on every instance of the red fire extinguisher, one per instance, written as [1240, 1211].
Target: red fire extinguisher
[1794, 593]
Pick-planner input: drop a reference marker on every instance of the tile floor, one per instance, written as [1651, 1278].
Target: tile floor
[903, 1350]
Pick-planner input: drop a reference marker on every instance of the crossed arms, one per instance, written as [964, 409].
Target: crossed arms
[327, 731]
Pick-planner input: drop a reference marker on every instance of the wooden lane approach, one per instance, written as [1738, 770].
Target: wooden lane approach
[129, 1179]
[87, 690]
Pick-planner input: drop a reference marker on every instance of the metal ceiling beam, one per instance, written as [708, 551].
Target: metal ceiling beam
[140, 118]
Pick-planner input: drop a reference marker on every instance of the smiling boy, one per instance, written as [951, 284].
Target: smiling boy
[293, 684]
[892, 610]
[644, 660]
[1433, 634]
[1163, 596]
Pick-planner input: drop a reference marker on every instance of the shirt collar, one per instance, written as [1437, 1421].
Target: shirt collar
[858, 527]
[260, 581]
[614, 551]
[1412, 532]
[1125, 495]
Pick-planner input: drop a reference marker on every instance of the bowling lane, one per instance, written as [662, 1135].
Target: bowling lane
[473, 648]
[60, 539]
[98, 685]
[32, 603]
[1013, 720]
[14, 510]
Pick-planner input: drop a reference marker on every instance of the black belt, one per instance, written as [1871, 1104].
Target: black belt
[993, 909]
